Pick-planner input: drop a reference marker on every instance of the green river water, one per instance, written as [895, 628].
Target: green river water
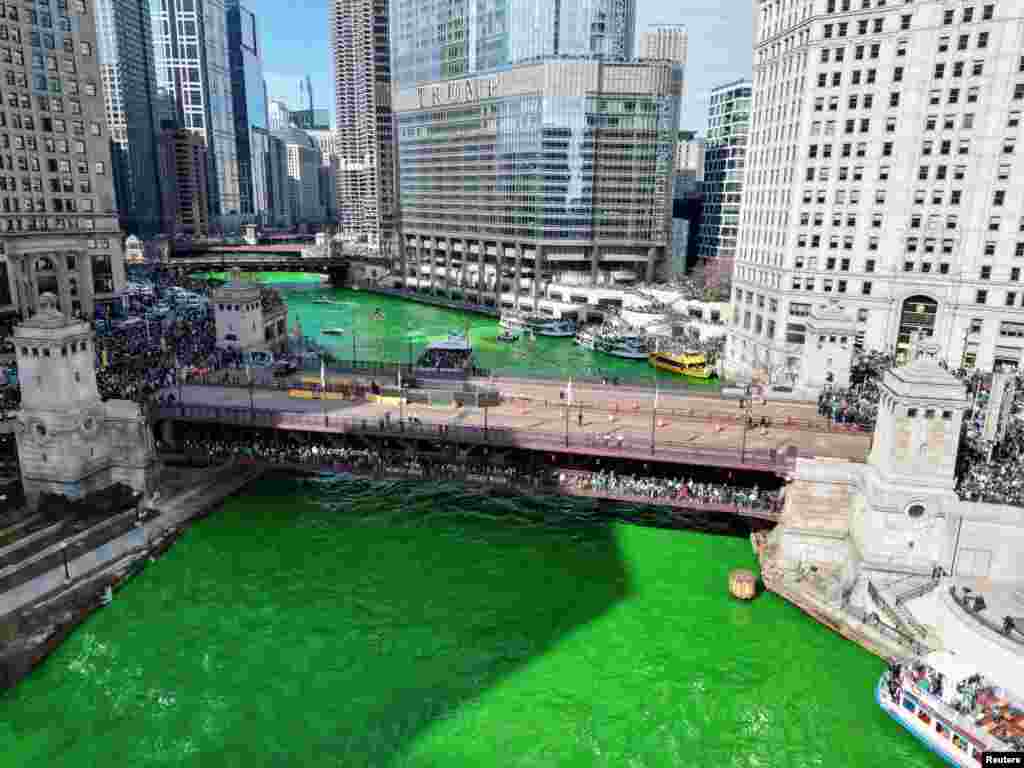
[407, 327]
[334, 622]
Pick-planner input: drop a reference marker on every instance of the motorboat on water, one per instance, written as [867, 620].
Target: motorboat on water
[322, 300]
[538, 324]
[507, 337]
[333, 331]
[631, 346]
[586, 337]
[692, 364]
[950, 708]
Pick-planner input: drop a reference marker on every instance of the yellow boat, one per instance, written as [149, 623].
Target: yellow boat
[692, 364]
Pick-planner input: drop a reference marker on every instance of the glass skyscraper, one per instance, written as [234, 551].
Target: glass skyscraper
[554, 172]
[249, 103]
[125, 52]
[194, 90]
[435, 41]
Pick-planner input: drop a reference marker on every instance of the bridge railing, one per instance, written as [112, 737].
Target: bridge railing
[633, 445]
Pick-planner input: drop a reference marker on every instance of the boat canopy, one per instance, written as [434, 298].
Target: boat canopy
[455, 342]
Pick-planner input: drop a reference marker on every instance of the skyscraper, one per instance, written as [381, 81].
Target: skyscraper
[125, 52]
[881, 176]
[249, 102]
[664, 41]
[725, 151]
[362, 85]
[58, 222]
[433, 42]
[194, 90]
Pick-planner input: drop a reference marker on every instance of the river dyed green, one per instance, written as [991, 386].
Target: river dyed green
[329, 622]
[406, 327]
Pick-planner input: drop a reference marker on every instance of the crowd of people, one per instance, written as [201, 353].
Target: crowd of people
[986, 472]
[678, 489]
[446, 359]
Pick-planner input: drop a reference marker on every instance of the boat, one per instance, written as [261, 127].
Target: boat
[507, 337]
[631, 346]
[951, 709]
[333, 331]
[692, 364]
[538, 324]
[586, 337]
[322, 300]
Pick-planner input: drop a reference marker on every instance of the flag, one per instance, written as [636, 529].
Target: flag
[103, 359]
[323, 375]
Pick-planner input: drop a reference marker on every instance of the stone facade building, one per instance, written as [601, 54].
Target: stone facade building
[883, 156]
[70, 442]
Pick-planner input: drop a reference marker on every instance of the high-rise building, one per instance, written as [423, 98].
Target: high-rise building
[312, 119]
[183, 168]
[280, 115]
[58, 223]
[125, 51]
[664, 41]
[725, 150]
[279, 199]
[325, 139]
[431, 42]
[558, 171]
[690, 156]
[881, 177]
[193, 74]
[362, 86]
[249, 107]
[303, 178]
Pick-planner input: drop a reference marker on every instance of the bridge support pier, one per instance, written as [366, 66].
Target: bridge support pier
[168, 434]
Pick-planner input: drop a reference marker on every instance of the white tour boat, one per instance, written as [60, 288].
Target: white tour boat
[951, 709]
[586, 337]
[631, 346]
[538, 324]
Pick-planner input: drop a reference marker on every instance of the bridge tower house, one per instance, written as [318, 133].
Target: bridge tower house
[70, 442]
[903, 507]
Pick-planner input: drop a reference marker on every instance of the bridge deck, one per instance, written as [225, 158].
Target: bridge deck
[712, 435]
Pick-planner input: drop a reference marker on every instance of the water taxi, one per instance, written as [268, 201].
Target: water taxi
[333, 331]
[692, 364]
[630, 346]
[951, 709]
[538, 324]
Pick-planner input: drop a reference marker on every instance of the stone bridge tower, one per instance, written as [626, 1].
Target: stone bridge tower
[903, 504]
[70, 442]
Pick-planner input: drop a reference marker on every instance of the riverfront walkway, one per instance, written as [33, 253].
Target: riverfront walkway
[686, 428]
[95, 563]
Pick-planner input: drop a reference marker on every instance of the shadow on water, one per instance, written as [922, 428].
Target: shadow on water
[334, 622]
[486, 585]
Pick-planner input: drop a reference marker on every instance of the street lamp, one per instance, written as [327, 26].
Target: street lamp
[64, 552]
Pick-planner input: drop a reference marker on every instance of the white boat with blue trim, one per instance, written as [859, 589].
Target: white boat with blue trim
[951, 709]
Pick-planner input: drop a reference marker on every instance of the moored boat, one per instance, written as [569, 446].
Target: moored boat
[586, 337]
[951, 709]
[538, 324]
[630, 346]
[692, 364]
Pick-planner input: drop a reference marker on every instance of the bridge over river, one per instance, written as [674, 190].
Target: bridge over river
[685, 430]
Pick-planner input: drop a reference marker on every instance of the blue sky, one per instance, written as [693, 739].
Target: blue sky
[296, 42]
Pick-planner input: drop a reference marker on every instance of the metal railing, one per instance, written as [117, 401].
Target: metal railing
[634, 446]
[985, 622]
[691, 503]
[919, 591]
[902, 618]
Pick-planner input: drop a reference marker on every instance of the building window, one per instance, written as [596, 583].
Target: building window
[981, 297]
[865, 288]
